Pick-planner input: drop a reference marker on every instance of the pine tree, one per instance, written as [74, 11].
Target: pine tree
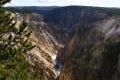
[14, 44]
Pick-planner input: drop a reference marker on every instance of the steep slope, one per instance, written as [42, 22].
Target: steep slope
[94, 56]
[42, 56]
[66, 19]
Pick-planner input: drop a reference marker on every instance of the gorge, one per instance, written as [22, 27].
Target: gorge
[74, 42]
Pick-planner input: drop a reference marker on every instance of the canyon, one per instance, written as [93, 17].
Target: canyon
[74, 42]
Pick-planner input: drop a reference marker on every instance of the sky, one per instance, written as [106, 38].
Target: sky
[99, 3]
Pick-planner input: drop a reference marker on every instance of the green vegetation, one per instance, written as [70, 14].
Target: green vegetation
[14, 45]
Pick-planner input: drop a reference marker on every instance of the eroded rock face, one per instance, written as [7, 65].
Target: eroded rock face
[44, 54]
[94, 56]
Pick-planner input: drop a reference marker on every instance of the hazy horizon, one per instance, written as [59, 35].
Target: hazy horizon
[94, 3]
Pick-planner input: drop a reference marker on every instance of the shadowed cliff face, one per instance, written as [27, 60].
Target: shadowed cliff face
[94, 56]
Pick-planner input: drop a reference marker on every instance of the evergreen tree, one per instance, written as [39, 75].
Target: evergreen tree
[14, 44]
